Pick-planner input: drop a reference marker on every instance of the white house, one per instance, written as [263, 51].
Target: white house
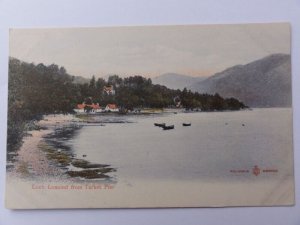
[93, 108]
[80, 108]
[111, 108]
[109, 90]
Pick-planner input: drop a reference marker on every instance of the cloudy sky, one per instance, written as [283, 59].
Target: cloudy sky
[196, 50]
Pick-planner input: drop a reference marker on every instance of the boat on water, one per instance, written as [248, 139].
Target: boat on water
[169, 127]
[159, 124]
[186, 124]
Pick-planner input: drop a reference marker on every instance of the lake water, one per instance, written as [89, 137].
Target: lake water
[210, 149]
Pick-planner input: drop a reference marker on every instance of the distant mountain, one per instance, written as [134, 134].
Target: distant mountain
[176, 81]
[262, 83]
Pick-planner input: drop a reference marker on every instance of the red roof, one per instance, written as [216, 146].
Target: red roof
[108, 88]
[112, 106]
[93, 106]
[80, 106]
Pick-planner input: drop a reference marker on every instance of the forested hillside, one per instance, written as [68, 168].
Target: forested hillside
[262, 83]
[35, 90]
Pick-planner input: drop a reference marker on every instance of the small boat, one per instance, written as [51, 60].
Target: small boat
[159, 124]
[168, 127]
[186, 124]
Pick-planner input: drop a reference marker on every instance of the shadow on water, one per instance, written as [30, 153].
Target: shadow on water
[59, 152]
[104, 119]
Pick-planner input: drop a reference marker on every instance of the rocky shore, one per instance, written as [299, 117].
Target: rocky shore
[46, 155]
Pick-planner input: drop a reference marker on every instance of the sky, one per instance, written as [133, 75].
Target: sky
[195, 50]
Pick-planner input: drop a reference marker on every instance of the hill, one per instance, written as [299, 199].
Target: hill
[36, 90]
[263, 83]
[175, 80]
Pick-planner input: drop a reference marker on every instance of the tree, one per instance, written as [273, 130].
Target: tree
[115, 80]
[92, 84]
[100, 84]
[35, 90]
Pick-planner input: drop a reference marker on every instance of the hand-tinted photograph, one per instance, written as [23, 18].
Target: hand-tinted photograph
[150, 116]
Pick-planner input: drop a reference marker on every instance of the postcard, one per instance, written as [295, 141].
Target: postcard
[150, 116]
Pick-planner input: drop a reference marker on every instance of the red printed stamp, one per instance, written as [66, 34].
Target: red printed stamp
[256, 170]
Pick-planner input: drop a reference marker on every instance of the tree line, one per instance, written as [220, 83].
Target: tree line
[35, 90]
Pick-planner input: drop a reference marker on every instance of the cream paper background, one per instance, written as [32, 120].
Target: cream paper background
[92, 13]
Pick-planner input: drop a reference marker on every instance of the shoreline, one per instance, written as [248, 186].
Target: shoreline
[143, 185]
[44, 156]
[30, 160]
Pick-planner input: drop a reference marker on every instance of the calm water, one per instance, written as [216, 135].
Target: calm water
[216, 143]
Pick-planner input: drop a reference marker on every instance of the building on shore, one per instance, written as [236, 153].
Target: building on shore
[88, 108]
[109, 90]
[111, 108]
